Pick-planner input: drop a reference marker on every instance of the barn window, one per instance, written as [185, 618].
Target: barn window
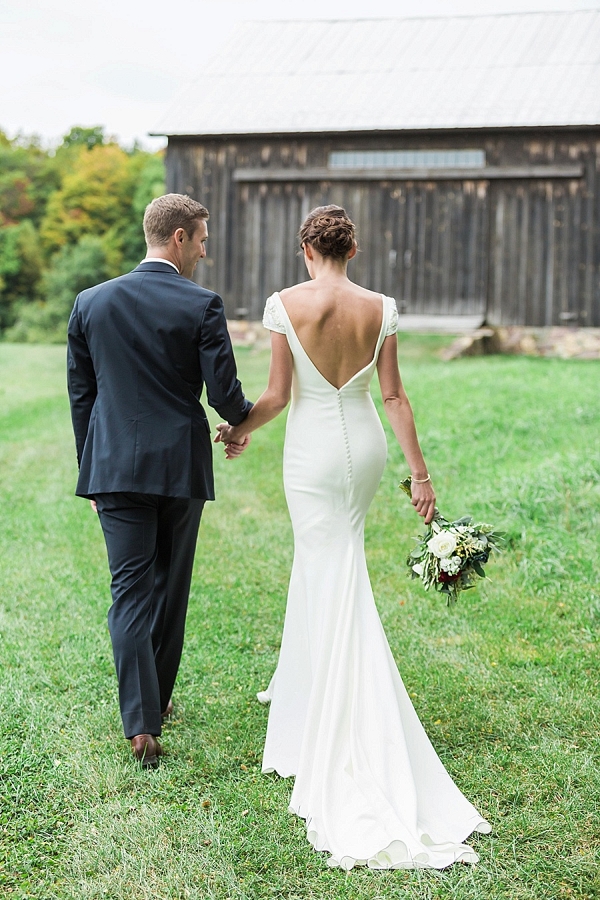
[407, 159]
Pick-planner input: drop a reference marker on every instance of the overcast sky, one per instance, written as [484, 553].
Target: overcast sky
[121, 63]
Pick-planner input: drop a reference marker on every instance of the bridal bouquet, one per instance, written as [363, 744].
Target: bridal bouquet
[450, 556]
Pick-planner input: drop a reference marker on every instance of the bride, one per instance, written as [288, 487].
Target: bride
[367, 780]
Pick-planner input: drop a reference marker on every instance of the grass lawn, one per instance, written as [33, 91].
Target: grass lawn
[506, 683]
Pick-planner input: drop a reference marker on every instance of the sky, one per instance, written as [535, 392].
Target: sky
[122, 63]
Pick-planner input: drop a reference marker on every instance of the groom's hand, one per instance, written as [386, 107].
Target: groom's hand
[223, 435]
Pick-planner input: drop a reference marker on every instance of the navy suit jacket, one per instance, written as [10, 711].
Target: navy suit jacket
[140, 349]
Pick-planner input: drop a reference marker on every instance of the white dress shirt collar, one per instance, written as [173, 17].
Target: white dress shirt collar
[160, 259]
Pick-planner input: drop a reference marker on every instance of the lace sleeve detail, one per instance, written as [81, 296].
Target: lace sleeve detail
[393, 322]
[272, 318]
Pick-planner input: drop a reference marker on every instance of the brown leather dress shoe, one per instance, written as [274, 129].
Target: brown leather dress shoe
[146, 749]
[168, 711]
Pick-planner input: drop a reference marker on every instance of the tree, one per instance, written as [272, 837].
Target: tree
[73, 269]
[84, 137]
[95, 195]
[20, 268]
[150, 184]
[28, 177]
[50, 202]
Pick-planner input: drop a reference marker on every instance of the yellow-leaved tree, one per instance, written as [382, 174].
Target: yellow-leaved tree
[94, 197]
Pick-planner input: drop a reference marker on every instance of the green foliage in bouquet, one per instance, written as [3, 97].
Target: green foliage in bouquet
[450, 556]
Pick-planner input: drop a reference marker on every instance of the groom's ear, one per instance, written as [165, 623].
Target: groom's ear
[179, 235]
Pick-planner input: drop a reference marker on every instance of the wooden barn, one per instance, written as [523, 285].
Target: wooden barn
[467, 150]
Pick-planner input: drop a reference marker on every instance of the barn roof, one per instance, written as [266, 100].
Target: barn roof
[510, 70]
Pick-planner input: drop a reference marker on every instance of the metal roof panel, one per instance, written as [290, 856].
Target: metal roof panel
[524, 69]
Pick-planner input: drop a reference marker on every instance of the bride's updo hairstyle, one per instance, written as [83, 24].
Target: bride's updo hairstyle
[329, 230]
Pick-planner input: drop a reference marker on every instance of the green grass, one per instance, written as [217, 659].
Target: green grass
[506, 683]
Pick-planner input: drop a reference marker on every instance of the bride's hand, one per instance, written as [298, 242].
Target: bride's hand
[235, 448]
[423, 500]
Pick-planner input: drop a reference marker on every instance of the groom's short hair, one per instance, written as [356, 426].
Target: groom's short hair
[166, 214]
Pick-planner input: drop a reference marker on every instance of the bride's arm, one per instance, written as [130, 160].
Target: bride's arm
[400, 415]
[272, 401]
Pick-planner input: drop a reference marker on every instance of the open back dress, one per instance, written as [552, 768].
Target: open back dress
[367, 780]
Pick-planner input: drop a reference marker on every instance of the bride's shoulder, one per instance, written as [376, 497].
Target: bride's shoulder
[368, 294]
[296, 291]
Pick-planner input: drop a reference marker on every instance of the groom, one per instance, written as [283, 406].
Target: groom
[140, 350]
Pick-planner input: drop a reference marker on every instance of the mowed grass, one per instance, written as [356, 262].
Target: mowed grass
[506, 683]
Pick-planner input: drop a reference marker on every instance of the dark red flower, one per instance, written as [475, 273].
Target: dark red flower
[445, 578]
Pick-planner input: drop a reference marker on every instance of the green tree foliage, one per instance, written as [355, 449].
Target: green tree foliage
[28, 175]
[20, 267]
[150, 184]
[68, 219]
[73, 269]
[84, 137]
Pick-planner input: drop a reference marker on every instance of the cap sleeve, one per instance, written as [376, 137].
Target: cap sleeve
[272, 318]
[392, 317]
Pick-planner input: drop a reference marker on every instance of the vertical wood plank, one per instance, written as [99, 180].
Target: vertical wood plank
[421, 277]
[523, 299]
[496, 259]
[536, 279]
[550, 252]
[573, 262]
[399, 245]
[591, 244]
[410, 256]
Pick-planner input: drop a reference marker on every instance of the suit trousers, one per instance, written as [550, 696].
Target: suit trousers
[151, 541]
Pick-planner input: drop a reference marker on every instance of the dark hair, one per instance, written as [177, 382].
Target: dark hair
[168, 213]
[329, 230]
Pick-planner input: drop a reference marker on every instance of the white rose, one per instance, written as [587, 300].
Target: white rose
[442, 544]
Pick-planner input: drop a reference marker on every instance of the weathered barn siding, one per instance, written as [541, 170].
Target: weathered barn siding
[517, 242]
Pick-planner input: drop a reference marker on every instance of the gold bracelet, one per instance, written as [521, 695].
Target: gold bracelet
[420, 480]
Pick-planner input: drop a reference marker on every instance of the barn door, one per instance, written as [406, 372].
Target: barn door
[438, 248]
[541, 259]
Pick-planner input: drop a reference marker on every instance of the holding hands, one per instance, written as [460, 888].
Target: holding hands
[235, 441]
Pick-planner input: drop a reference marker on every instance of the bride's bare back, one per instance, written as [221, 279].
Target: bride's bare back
[338, 323]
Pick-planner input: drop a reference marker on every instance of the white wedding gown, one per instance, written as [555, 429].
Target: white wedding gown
[368, 781]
